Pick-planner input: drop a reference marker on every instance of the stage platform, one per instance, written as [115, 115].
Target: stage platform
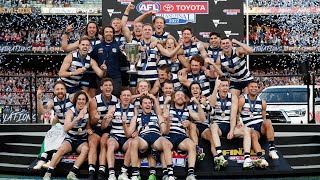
[298, 147]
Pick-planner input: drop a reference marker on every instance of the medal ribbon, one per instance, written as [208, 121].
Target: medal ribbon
[64, 105]
[80, 120]
[252, 106]
[121, 110]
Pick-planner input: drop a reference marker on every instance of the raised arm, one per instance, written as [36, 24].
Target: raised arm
[243, 49]
[108, 117]
[63, 72]
[128, 130]
[156, 87]
[156, 105]
[213, 96]
[143, 16]
[65, 37]
[200, 115]
[48, 106]
[100, 71]
[168, 53]
[182, 75]
[125, 30]
[216, 66]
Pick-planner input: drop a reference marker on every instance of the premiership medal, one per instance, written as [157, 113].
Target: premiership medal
[179, 124]
[223, 114]
[79, 129]
[146, 127]
[251, 115]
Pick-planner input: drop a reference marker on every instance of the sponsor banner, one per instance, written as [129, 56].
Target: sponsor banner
[216, 22]
[71, 10]
[278, 10]
[267, 48]
[232, 12]
[273, 48]
[204, 34]
[125, 2]
[21, 117]
[15, 10]
[175, 12]
[239, 152]
[178, 19]
[301, 49]
[230, 33]
[197, 7]
[111, 12]
[216, 1]
[29, 49]
[201, 16]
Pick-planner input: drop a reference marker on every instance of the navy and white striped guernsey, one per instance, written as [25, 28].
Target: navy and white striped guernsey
[236, 67]
[94, 41]
[208, 111]
[163, 37]
[120, 39]
[103, 106]
[77, 62]
[176, 83]
[176, 117]
[148, 123]
[147, 69]
[214, 53]
[174, 66]
[201, 78]
[119, 112]
[255, 111]
[191, 50]
[223, 109]
[74, 133]
[61, 107]
[135, 40]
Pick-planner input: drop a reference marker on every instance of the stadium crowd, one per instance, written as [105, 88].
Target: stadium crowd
[44, 31]
[15, 91]
[284, 30]
[284, 3]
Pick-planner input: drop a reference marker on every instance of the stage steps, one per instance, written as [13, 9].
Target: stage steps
[300, 146]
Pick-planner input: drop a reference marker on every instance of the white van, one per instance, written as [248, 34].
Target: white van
[289, 104]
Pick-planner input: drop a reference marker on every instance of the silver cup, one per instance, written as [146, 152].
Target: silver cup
[133, 56]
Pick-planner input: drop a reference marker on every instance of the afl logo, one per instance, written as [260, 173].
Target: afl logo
[145, 6]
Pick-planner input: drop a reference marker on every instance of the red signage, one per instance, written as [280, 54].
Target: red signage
[197, 7]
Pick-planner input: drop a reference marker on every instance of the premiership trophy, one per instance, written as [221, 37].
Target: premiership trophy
[132, 53]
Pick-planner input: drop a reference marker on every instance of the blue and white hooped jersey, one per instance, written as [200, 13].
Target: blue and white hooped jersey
[223, 109]
[148, 124]
[77, 62]
[251, 112]
[119, 112]
[148, 67]
[177, 116]
[236, 67]
[103, 106]
[61, 107]
[78, 131]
